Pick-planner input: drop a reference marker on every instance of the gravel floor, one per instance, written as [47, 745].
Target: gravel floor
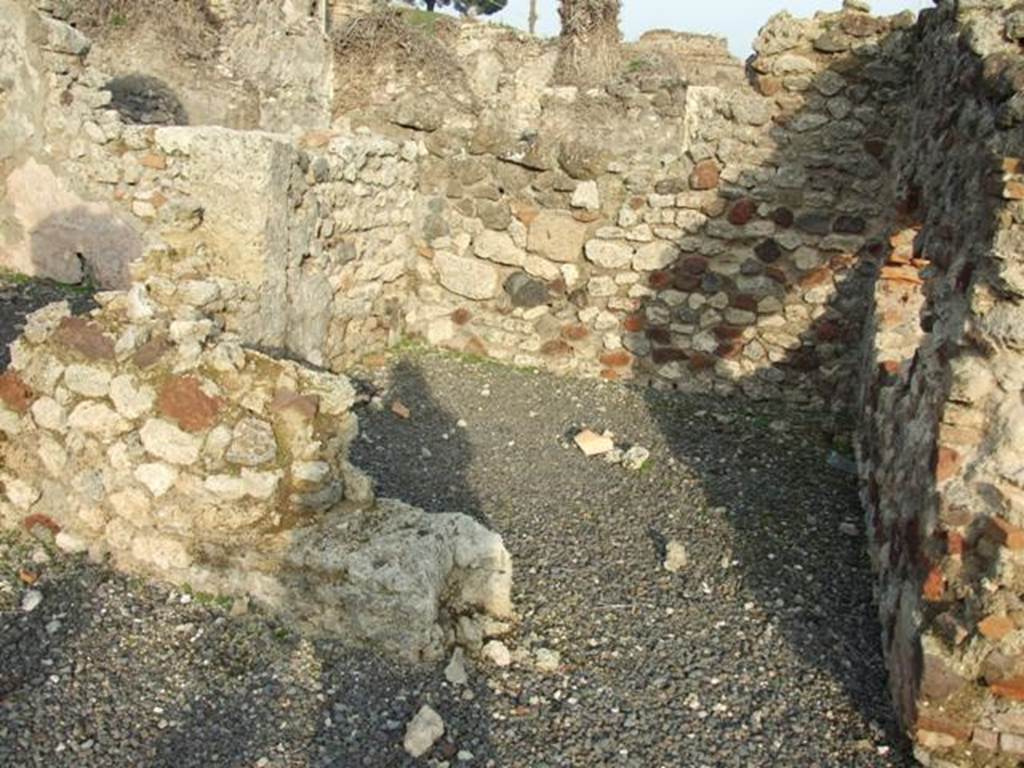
[761, 652]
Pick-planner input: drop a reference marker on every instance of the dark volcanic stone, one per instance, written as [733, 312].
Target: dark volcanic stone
[768, 251]
[526, 291]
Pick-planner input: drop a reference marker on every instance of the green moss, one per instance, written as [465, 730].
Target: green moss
[84, 288]
[425, 21]
[9, 277]
[639, 64]
[409, 344]
[223, 602]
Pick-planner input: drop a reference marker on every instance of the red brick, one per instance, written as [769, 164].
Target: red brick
[86, 338]
[620, 358]
[575, 332]
[934, 587]
[955, 543]
[183, 401]
[986, 739]
[705, 175]
[938, 680]
[1011, 688]
[15, 393]
[996, 627]
[938, 723]
[633, 323]
[609, 374]
[947, 463]
[461, 316]
[742, 211]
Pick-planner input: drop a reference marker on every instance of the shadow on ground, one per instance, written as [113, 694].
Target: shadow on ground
[109, 670]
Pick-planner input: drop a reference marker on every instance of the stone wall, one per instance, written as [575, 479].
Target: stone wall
[712, 237]
[147, 433]
[941, 440]
[48, 223]
[702, 237]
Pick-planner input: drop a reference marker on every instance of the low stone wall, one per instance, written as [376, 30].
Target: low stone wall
[145, 433]
[941, 436]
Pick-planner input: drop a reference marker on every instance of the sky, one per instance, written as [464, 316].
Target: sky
[738, 20]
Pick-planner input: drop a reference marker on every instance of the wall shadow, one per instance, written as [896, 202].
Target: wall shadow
[86, 244]
[391, 448]
[146, 100]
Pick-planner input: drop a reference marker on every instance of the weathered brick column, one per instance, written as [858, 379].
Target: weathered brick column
[942, 429]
